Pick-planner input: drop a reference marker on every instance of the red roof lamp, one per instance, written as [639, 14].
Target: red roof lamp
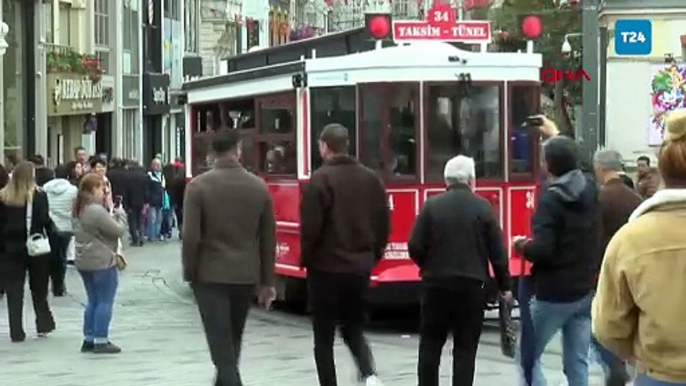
[531, 27]
[378, 25]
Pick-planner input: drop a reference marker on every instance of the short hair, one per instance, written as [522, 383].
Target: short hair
[643, 158]
[459, 170]
[225, 140]
[336, 138]
[609, 159]
[561, 155]
[63, 172]
[37, 160]
[97, 160]
[78, 149]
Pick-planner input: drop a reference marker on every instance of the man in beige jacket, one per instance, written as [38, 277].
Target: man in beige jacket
[228, 249]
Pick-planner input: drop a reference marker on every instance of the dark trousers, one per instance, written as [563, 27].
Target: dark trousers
[59, 243]
[136, 226]
[458, 310]
[224, 311]
[334, 297]
[178, 211]
[14, 270]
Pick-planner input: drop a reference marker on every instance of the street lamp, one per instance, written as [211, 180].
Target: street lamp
[4, 29]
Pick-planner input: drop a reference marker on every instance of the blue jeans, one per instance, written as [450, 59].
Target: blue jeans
[574, 319]
[609, 361]
[644, 380]
[154, 223]
[101, 286]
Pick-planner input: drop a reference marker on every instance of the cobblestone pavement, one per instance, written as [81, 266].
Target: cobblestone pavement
[157, 325]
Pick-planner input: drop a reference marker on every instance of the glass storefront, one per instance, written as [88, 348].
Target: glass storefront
[13, 80]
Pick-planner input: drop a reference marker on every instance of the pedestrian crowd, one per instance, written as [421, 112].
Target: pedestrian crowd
[628, 306]
[78, 213]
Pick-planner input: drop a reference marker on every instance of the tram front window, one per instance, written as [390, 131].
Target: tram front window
[524, 102]
[464, 120]
[403, 116]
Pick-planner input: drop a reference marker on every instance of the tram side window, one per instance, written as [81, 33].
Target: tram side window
[275, 142]
[524, 102]
[403, 117]
[332, 105]
[276, 121]
[464, 120]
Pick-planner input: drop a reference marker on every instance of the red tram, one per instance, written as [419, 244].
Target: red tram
[409, 108]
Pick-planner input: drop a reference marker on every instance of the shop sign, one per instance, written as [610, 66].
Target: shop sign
[130, 93]
[72, 94]
[155, 94]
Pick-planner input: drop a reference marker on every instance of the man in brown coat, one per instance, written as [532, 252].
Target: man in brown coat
[343, 231]
[228, 248]
[617, 202]
[648, 181]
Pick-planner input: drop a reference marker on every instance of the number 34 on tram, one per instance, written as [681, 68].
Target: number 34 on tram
[409, 107]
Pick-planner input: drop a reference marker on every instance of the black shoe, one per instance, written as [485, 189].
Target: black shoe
[618, 377]
[87, 346]
[18, 339]
[106, 348]
[59, 293]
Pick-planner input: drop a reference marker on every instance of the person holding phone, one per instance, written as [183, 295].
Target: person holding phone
[564, 252]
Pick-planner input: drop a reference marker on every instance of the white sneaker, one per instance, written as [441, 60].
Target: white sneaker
[373, 381]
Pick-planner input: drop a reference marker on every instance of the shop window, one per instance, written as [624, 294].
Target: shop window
[332, 105]
[524, 102]
[466, 120]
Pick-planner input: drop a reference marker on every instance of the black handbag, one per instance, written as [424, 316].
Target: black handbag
[508, 328]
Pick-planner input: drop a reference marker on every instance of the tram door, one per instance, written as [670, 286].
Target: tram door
[332, 105]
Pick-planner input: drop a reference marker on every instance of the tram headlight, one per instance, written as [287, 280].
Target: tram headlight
[378, 25]
[531, 27]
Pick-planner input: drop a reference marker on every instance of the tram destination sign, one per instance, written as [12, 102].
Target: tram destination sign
[441, 25]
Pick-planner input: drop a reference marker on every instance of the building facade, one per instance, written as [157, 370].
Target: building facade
[76, 101]
[129, 137]
[155, 91]
[632, 114]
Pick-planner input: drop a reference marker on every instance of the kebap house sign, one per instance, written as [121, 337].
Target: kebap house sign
[73, 95]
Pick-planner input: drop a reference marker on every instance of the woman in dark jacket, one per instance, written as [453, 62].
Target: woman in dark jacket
[20, 194]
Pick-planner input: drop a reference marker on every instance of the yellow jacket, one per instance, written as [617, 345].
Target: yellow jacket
[639, 311]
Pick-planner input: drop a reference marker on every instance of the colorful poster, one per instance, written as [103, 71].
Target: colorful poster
[667, 93]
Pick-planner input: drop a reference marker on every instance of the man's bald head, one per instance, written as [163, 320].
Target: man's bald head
[335, 137]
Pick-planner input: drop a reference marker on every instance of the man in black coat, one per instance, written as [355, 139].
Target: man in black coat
[344, 229]
[118, 177]
[135, 200]
[454, 239]
[564, 253]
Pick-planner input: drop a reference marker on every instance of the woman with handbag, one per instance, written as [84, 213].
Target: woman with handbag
[97, 233]
[24, 224]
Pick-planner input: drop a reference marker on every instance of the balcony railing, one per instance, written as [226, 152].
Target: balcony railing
[64, 59]
[58, 48]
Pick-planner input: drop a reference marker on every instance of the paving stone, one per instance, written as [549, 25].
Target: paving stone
[158, 327]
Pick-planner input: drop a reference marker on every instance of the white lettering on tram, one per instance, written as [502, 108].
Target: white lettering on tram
[422, 31]
[396, 251]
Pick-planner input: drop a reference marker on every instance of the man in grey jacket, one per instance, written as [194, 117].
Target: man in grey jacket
[229, 246]
[61, 195]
